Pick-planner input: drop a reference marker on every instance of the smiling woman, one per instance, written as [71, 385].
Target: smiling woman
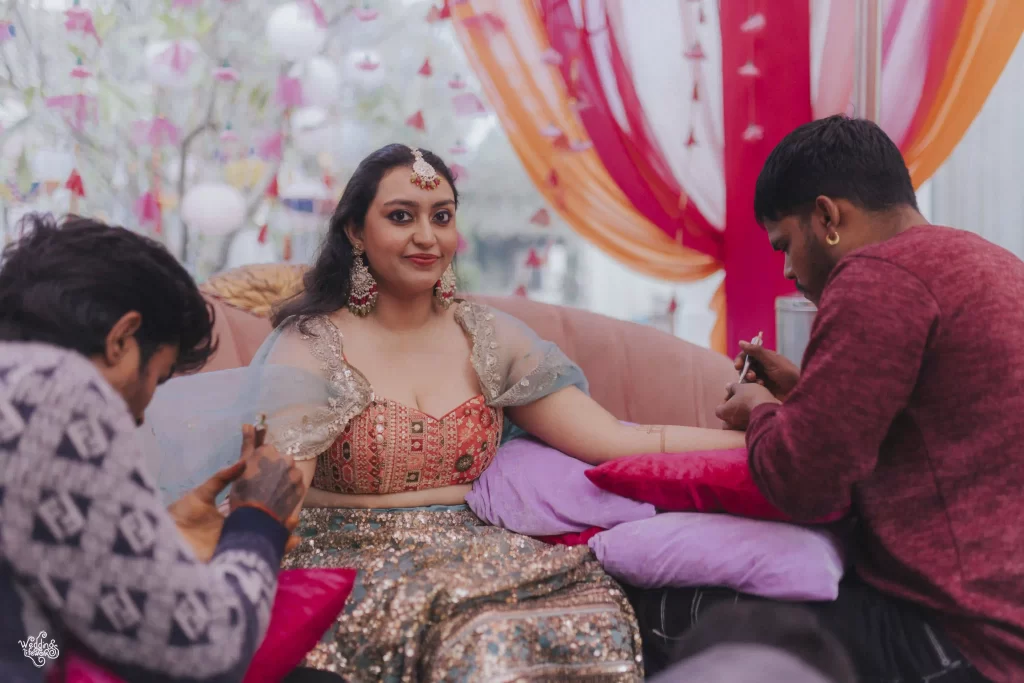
[393, 397]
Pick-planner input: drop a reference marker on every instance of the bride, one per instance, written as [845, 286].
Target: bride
[393, 396]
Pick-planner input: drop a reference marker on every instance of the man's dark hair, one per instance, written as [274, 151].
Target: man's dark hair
[838, 157]
[789, 628]
[67, 284]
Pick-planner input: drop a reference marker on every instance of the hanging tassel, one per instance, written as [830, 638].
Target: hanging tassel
[262, 239]
[426, 69]
[541, 218]
[286, 250]
[272, 190]
[521, 291]
[533, 259]
[673, 305]
[696, 93]
[692, 140]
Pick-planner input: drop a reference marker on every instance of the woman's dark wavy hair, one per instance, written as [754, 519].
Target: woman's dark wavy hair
[68, 283]
[326, 284]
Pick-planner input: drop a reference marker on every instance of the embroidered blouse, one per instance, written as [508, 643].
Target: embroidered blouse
[365, 444]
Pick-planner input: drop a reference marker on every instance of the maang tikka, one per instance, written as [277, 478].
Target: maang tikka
[426, 177]
[362, 288]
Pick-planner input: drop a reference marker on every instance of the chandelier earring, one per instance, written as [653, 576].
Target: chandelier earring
[444, 289]
[362, 288]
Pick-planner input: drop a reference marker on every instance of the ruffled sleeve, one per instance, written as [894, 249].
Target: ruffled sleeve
[314, 346]
[515, 366]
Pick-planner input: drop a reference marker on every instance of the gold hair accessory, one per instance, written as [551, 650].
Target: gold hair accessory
[423, 174]
[832, 239]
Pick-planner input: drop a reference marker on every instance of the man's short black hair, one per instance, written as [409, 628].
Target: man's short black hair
[67, 284]
[838, 157]
[789, 628]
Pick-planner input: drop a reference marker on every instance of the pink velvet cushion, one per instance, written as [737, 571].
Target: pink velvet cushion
[306, 604]
[709, 481]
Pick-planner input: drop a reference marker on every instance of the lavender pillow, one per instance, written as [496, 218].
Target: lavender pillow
[770, 559]
[532, 489]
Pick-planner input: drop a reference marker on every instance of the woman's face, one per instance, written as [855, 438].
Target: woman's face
[409, 234]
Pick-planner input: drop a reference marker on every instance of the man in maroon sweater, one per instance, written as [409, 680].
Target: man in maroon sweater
[908, 409]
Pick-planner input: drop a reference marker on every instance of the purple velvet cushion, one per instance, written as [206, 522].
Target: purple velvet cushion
[770, 559]
[533, 489]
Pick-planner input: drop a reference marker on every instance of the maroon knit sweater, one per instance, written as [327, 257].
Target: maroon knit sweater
[910, 407]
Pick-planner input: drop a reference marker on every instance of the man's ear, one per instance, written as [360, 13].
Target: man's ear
[121, 337]
[827, 211]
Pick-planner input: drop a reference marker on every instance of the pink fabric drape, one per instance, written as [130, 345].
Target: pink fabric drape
[623, 142]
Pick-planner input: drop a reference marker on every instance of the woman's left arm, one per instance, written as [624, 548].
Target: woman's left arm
[574, 423]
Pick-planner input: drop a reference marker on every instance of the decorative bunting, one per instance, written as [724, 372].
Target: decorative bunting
[755, 23]
[446, 10]
[273, 192]
[533, 259]
[691, 140]
[74, 184]
[521, 291]
[225, 74]
[79, 20]
[367, 64]
[468, 104]
[416, 121]
[262, 237]
[425, 70]
[749, 70]
[147, 210]
[541, 218]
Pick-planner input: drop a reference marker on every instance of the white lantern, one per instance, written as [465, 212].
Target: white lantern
[311, 130]
[175, 64]
[293, 32]
[213, 208]
[321, 82]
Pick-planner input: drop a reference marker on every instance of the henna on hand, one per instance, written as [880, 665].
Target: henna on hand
[654, 429]
[270, 482]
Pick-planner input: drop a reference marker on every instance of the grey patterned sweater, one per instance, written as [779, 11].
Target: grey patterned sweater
[88, 552]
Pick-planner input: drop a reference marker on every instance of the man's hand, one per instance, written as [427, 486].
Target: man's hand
[740, 402]
[769, 369]
[270, 482]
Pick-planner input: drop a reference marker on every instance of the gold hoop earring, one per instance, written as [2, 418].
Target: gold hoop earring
[832, 239]
[362, 288]
[444, 289]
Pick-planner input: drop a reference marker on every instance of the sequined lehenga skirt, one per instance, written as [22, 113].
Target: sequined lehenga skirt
[441, 596]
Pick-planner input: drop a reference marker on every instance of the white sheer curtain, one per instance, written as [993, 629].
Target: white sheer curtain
[981, 186]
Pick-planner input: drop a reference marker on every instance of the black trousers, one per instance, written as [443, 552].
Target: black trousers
[888, 640]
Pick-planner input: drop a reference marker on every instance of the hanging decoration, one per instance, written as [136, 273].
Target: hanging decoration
[521, 291]
[77, 189]
[79, 20]
[365, 13]
[213, 208]
[541, 218]
[296, 30]
[533, 259]
[155, 132]
[262, 237]
[416, 121]
[456, 82]
[147, 211]
[459, 172]
[367, 64]
[425, 70]
[468, 104]
[319, 81]
[225, 74]
[174, 64]
[288, 93]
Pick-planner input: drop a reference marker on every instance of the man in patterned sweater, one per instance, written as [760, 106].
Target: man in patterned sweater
[92, 319]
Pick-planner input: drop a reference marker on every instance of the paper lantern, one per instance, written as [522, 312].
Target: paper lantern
[213, 208]
[311, 130]
[321, 82]
[294, 33]
[174, 64]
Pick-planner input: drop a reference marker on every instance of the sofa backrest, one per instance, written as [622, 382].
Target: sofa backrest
[638, 373]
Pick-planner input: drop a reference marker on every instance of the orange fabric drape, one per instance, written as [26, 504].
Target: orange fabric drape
[504, 42]
[989, 33]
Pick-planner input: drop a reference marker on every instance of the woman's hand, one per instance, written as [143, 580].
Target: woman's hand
[196, 513]
[770, 369]
[198, 517]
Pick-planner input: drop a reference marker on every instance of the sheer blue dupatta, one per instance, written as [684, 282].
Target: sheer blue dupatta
[193, 425]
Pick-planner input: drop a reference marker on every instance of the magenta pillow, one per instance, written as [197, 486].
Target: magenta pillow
[306, 604]
[535, 490]
[685, 549]
[581, 538]
[708, 481]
